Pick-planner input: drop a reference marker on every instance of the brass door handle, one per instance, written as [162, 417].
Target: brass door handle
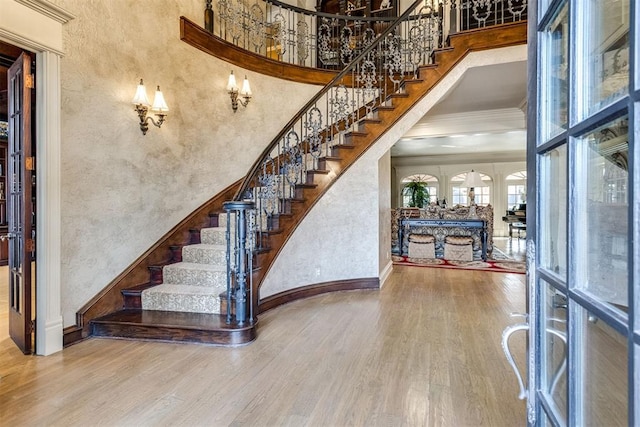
[7, 236]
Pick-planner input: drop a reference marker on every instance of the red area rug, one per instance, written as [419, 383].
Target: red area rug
[499, 266]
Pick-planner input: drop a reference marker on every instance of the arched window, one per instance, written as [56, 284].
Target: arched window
[517, 188]
[431, 185]
[460, 196]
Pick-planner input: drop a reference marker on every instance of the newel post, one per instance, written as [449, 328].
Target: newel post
[239, 261]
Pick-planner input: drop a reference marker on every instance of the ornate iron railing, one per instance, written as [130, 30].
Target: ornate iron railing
[314, 39]
[299, 151]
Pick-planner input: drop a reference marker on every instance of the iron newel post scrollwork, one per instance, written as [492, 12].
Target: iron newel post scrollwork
[239, 289]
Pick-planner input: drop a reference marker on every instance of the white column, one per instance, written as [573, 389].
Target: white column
[49, 336]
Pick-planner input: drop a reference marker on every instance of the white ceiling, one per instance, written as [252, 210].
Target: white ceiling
[483, 113]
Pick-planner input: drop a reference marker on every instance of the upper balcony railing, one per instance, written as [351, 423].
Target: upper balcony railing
[320, 40]
[326, 126]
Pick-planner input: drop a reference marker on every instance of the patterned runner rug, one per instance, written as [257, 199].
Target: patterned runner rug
[496, 265]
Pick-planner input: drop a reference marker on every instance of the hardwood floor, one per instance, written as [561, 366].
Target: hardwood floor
[514, 248]
[4, 304]
[423, 351]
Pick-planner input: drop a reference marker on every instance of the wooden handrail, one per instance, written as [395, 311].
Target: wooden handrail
[256, 166]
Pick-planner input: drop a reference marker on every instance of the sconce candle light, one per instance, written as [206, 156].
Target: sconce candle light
[142, 105]
[245, 92]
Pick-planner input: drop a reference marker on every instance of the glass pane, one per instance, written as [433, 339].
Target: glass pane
[602, 189]
[553, 76]
[516, 195]
[553, 211]
[602, 372]
[603, 54]
[554, 349]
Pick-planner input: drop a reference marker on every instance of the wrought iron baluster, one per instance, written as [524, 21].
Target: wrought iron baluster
[378, 66]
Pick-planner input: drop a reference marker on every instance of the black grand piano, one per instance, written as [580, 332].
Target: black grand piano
[517, 219]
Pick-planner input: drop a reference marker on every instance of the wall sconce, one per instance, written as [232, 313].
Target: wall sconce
[142, 104]
[245, 93]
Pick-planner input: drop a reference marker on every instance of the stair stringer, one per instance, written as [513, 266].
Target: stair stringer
[110, 299]
[343, 204]
[393, 123]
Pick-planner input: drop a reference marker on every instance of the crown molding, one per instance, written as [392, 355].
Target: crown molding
[48, 9]
[455, 159]
[500, 120]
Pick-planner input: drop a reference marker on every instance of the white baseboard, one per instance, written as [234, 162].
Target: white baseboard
[385, 273]
[49, 340]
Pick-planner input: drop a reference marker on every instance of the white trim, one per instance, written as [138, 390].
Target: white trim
[34, 25]
[500, 120]
[25, 43]
[41, 32]
[385, 273]
[50, 10]
[49, 327]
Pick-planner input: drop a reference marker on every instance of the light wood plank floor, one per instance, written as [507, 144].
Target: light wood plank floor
[423, 351]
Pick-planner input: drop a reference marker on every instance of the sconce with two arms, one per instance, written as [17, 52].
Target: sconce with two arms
[142, 104]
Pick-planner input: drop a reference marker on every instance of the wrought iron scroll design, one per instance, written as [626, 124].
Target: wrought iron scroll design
[314, 39]
[275, 180]
[376, 67]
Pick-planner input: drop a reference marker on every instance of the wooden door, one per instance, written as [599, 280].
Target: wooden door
[20, 175]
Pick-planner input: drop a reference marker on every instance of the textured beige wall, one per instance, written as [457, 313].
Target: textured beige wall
[384, 210]
[121, 190]
[341, 238]
[337, 240]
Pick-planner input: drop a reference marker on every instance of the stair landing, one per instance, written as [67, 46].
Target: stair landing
[172, 326]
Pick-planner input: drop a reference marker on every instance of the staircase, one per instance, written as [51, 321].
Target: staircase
[180, 301]
[195, 283]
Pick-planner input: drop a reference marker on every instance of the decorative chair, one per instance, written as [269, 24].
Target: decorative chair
[422, 246]
[458, 248]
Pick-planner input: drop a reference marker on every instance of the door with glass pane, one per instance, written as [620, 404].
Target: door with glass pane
[583, 272]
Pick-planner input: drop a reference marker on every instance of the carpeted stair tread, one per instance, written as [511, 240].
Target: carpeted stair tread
[191, 273]
[203, 253]
[213, 236]
[182, 298]
[196, 265]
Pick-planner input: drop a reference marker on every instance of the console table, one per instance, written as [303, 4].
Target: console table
[407, 224]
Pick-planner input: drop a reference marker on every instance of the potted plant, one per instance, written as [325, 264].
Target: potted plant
[418, 194]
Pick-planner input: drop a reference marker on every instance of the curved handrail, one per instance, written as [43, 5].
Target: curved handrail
[298, 36]
[292, 34]
[341, 75]
[308, 12]
[330, 131]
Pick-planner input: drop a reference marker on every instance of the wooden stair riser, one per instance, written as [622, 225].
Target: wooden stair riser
[213, 219]
[155, 274]
[174, 327]
[385, 117]
[369, 131]
[194, 236]
[176, 253]
[132, 297]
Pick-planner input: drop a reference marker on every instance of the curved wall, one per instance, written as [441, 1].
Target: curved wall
[347, 234]
[120, 190]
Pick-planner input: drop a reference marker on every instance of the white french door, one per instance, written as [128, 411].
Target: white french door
[584, 292]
